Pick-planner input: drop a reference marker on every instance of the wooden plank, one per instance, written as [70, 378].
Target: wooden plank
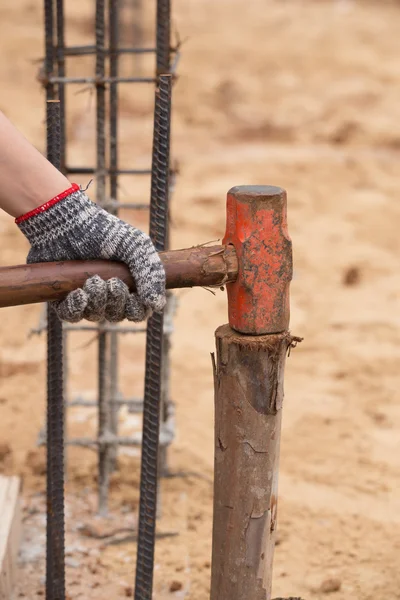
[10, 533]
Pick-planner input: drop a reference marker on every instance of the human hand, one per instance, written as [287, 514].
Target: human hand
[71, 227]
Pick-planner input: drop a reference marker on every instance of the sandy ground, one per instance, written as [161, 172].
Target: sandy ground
[301, 94]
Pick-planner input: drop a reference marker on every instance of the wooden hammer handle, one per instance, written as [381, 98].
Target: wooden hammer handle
[42, 282]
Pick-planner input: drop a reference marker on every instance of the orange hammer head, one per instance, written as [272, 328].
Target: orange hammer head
[258, 301]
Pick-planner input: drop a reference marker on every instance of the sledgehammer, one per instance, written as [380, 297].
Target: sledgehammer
[255, 263]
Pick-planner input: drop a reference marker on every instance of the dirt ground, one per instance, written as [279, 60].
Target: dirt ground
[301, 94]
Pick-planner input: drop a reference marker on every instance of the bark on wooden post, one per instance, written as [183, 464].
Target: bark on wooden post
[248, 375]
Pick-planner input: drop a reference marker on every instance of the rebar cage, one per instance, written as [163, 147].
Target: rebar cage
[156, 405]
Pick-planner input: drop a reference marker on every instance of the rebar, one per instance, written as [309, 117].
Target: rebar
[92, 171]
[69, 327]
[163, 36]
[100, 80]
[91, 50]
[48, 68]
[104, 328]
[137, 32]
[55, 564]
[165, 407]
[109, 441]
[113, 26]
[163, 65]
[154, 339]
[166, 437]
[106, 172]
[49, 45]
[60, 59]
[103, 422]
[103, 346]
[135, 404]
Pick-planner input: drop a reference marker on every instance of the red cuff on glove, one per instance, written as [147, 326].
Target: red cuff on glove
[74, 188]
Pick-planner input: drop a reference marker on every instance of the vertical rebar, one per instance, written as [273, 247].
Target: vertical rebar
[49, 45]
[100, 103]
[137, 33]
[55, 563]
[166, 375]
[113, 8]
[103, 423]
[60, 56]
[61, 71]
[163, 65]
[163, 36]
[152, 387]
[48, 68]
[55, 560]
[113, 22]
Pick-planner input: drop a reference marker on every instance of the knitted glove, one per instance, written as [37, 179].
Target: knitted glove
[71, 227]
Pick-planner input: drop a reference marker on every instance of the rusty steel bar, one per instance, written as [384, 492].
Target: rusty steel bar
[135, 403]
[60, 62]
[154, 339]
[49, 45]
[100, 80]
[103, 420]
[91, 50]
[137, 31]
[169, 313]
[113, 31]
[111, 171]
[41, 282]
[163, 66]
[101, 327]
[100, 102]
[55, 571]
[60, 59]
[103, 340]
[165, 438]
[48, 69]
[163, 36]
[104, 327]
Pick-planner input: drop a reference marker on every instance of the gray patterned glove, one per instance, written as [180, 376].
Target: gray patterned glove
[71, 227]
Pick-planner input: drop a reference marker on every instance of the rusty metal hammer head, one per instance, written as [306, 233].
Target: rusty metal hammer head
[258, 301]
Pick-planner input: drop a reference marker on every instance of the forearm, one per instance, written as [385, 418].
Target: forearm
[27, 179]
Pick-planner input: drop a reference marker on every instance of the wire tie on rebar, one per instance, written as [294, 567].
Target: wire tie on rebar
[87, 187]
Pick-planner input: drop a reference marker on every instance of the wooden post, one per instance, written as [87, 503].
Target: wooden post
[248, 376]
[248, 410]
